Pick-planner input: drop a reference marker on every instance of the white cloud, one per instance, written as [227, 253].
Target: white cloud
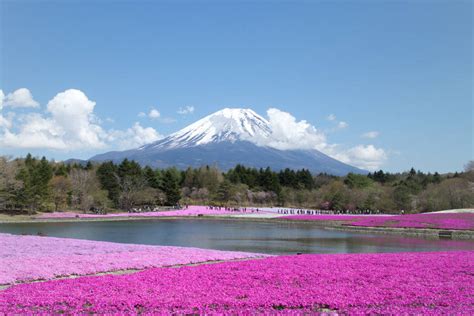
[35, 132]
[342, 125]
[186, 110]
[2, 96]
[3, 121]
[21, 98]
[134, 136]
[288, 133]
[366, 157]
[371, 134]
[339, 125]
[154, 114]
[69, 124]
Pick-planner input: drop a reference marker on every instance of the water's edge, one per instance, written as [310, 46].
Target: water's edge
[430, 233]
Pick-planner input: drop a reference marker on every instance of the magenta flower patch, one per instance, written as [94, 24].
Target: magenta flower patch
[388, 284]
[464, 221]
[329, 217]
[438, 221]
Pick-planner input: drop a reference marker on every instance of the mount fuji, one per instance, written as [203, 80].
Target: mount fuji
[226, 138]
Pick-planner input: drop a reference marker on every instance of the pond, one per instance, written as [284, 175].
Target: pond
[252, 236]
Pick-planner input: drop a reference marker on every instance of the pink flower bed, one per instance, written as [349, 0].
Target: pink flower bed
[355, 284]
[328, 217]
[24, 258]
[439, 221]
[191, 211]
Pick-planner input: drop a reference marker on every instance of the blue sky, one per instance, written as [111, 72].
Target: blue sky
[400, 69]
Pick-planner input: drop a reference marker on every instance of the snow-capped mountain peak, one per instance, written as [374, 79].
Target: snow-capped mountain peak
[226, 138]
[229, 124]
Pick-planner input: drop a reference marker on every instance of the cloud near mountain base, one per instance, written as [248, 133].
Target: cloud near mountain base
[134, 136]
[367, 157]
[288, 133]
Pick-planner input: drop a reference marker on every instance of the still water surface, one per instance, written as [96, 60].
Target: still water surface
[264, 237]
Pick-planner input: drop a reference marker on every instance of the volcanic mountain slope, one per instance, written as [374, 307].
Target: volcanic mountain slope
[227, 138]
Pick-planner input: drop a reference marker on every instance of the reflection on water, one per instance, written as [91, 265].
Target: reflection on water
[265, 237]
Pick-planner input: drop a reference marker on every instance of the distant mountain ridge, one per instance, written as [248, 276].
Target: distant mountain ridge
[226, 138]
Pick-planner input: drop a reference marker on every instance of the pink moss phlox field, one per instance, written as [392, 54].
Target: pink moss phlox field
[327, 217]
[190, 211]
[24, 258]
[388, 284]
[464, 221]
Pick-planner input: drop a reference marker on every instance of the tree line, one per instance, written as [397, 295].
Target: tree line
[33, 184]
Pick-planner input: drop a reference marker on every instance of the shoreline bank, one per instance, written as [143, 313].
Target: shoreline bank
[429, 233]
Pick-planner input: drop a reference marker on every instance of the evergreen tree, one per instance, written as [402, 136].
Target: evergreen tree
[109, 180]
[41, 177]
[305, 179]
[35, 177]
[152, 177]
[129, 169]
[224, 191]
[402, 197]
[288, 178]
[171, 187]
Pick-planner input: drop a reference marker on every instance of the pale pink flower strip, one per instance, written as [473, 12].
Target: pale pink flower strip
[24, 258]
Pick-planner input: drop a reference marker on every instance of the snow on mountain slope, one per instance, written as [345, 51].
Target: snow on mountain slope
[225, 125]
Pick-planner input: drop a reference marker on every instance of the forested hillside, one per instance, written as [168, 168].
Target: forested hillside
[32, 184]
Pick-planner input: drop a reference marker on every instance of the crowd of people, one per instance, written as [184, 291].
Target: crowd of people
[233, 209]
[150, 208]
[97, 210]
[290, 211]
